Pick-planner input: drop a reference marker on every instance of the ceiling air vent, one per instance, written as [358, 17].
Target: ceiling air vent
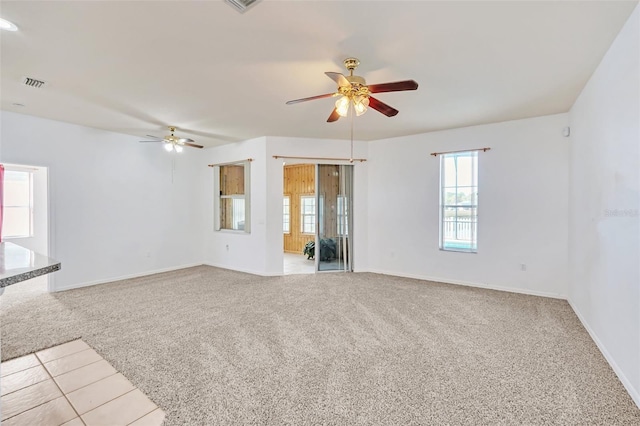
[32, 82]
[241, 5]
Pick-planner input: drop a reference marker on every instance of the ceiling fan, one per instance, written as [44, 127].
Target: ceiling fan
[174, 143]
[353, 90]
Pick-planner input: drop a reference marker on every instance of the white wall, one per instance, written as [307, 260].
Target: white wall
[523, 208]
[261, 251]
[604, 242]
[117, 209]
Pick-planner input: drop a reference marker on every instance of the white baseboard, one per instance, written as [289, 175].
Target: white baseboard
[125, 277]
[472, 284]
[244, 270]
[634, 393]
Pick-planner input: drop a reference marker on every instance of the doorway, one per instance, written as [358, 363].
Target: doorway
[298, 217]
[26, 223]
[317, 219]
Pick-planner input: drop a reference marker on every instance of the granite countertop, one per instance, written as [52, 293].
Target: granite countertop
[19, 264]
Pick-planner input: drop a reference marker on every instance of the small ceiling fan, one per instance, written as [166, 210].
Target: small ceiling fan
[353, 90]
[174, 143]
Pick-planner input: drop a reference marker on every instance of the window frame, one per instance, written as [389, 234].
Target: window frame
[30, 233]
[218, 197]
[303, 214]
[472, 206]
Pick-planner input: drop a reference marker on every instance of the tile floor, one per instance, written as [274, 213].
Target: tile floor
[298, 264]
[71, 385]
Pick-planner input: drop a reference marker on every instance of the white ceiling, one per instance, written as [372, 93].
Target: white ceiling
[136, 67]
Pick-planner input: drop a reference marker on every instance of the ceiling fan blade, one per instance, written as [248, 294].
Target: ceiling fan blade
[150, 141]
[193, 145]
[397, 86]
[295, 101]
[153, 137]
[382, 107]
[338, 78]
[184, 140]
[334, 116]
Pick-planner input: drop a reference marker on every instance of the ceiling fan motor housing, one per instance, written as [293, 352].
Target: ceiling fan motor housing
[358, 87]
[351, 63]
[356, 79]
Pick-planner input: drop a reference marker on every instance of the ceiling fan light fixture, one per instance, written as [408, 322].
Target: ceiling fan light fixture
[360, 104]
[179, 148]
[168, 147]
[7, 25]
[342, 106]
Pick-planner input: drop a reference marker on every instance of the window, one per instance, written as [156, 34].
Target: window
[459, 201]
[286, 214]
[18, 204]
[308, 214]
[343, 218]
[232, 205]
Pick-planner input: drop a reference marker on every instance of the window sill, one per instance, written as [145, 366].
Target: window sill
[233, 231]
[459, 251]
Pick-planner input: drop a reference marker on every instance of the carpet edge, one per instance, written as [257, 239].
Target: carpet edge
[472, 284]
[126, 277]
[633, 393]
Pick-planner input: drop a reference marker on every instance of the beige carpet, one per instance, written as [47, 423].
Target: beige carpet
[211, 346]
